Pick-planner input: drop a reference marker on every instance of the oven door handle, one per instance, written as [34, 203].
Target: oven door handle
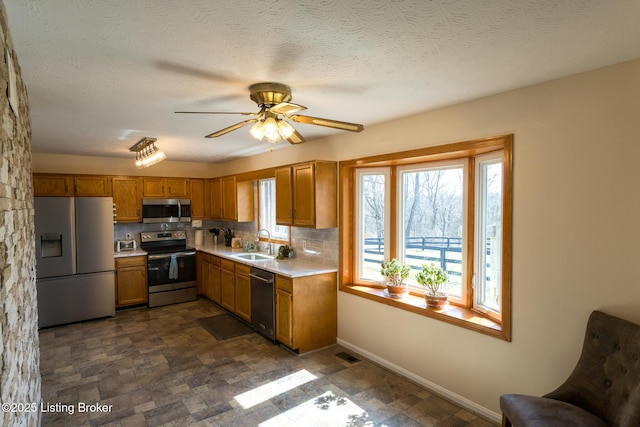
[166, 256]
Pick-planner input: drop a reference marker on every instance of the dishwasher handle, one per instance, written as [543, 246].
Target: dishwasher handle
[262, 279]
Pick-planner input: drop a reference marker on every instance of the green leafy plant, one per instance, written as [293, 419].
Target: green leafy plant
[395, 272]
[431, 277]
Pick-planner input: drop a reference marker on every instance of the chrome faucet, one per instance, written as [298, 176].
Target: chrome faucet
[268, 247]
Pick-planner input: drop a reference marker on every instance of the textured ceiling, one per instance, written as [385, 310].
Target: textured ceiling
[103, 74]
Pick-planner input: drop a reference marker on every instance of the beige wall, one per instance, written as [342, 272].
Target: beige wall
[576, 232]
[576, 235]
[576, 240]
[60, 163]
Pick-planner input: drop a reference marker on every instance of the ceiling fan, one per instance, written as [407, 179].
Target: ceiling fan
[269, 123]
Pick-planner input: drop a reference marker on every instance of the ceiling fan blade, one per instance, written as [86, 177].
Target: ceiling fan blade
[353, 127]
[216, 112]
[295, 138]
[286, 108]
[180, 68]
[230, 128]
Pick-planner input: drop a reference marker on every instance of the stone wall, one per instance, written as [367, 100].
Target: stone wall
[19, 360]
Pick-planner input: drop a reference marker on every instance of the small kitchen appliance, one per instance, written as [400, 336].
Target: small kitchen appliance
[126, 245]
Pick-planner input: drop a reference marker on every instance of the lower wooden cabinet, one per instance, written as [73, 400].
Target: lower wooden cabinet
[208, 276]
[131, 281]
[306, 307]
[228, 285]
[243, 291]
[306, 311]
[284, 317]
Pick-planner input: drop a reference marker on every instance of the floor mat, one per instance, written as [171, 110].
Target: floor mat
[224, 326]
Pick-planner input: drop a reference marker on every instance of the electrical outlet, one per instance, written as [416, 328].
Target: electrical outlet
[128, 236]
[304, 244]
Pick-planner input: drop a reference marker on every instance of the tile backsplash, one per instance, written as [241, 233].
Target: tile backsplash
[314, 245]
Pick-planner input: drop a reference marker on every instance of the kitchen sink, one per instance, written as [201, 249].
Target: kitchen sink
[253, 257]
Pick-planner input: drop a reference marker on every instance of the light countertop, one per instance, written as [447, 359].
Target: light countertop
[289, 267]
[124, 254]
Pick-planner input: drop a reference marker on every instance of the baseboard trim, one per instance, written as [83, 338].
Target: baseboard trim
[460, 400]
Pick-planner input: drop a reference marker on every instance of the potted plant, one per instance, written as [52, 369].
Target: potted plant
[432, 278]
[395, 273]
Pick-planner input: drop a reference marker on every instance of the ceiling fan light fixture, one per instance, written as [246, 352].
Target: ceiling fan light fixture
[285, 129]
[147, 153]
[257, 131]
[270, 129]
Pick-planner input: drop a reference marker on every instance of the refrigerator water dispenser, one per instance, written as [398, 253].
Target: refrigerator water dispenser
[50, 245]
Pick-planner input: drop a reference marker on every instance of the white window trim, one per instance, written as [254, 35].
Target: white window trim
[427, 166]
[386, 171]
[274, 236]
[480, 161]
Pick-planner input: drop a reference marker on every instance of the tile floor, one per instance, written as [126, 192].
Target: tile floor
[153, 367]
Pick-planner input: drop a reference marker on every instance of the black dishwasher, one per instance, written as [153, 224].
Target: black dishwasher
[263, 307]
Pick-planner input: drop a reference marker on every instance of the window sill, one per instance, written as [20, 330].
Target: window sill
[453, 314]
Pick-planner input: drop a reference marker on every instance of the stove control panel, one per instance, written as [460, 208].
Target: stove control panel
[159, 236]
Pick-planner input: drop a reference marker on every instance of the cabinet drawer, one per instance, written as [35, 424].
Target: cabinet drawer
[242, 269]
[284, 283]
[227, 265]
[131, 261]
[215, 260]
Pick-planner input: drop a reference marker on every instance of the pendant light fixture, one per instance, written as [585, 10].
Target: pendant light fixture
[147, 153]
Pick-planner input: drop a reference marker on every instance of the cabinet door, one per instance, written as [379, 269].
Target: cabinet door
[284, 317]
[228, 291]
[216, 198]
[215, 285]
[177, 187]
[284, 196]
[197, 191]
[201, 267]
[304, 195]
[52, 185]
[244, 201]
[229, 199]
[131, 281]
[127, 200]
[243, 296]
[92, 186]
[153, 187]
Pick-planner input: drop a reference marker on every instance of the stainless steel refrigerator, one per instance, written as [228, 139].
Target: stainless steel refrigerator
[74, 259]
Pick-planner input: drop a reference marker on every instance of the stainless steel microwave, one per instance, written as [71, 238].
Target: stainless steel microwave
[166, 210]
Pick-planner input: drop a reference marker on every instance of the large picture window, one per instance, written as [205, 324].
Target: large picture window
[447, 205]
[431, 208]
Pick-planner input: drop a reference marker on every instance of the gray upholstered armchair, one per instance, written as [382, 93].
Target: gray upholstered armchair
[602, 390]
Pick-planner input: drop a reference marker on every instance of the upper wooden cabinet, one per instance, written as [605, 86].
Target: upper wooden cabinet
[231, 200]
[92, 186]
[306, 195]
[127, 199]
[165, 187]
[52, 185]
[199, 193]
